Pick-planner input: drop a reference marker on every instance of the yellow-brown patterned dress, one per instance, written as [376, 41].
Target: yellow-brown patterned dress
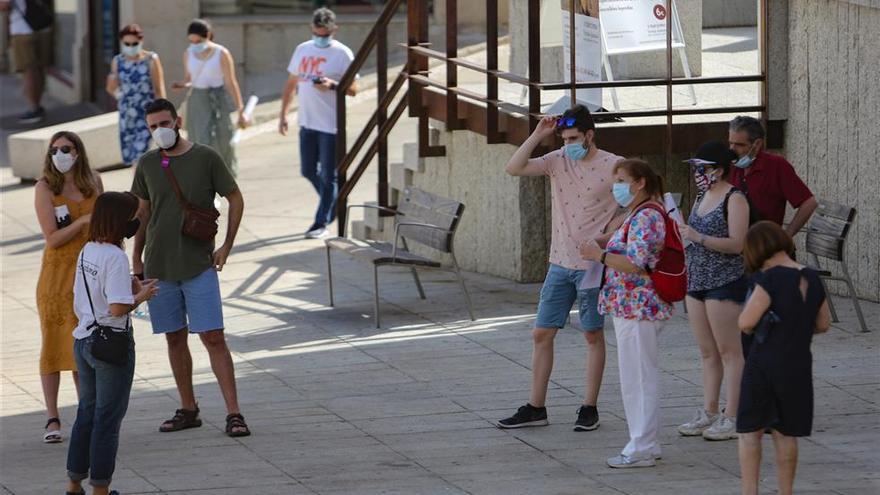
[55, 293]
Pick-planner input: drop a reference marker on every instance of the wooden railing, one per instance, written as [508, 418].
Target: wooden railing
[416, 73]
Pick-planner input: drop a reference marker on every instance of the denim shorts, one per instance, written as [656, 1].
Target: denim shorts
[559, 293]
[734, 291]
[193, 303]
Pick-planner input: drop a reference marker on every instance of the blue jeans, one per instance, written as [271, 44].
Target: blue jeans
[316, 147]
[103, 399]
[560, 291]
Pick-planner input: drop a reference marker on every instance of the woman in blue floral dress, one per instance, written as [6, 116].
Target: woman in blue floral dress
[135, 79]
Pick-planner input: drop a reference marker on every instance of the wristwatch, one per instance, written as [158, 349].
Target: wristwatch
[602, 258]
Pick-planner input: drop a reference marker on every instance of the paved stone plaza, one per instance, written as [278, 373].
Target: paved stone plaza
[337, 406]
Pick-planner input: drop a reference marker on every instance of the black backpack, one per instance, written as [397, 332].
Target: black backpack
[37, 13]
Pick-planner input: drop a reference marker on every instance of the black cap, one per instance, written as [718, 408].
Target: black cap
[713, 153]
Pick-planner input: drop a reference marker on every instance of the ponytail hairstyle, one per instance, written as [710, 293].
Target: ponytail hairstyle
[639, 169]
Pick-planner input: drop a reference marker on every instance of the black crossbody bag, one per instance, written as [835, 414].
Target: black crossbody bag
[110, 344]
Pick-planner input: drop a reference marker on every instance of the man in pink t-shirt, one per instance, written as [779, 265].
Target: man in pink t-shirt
[582, 205]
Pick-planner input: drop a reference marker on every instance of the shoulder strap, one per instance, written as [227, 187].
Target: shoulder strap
[650, 204]
[86, 283]
[166, 167]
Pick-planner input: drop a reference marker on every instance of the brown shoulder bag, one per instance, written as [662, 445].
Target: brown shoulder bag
[198, 223]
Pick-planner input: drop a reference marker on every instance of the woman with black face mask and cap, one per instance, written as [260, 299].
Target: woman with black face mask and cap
[104, 293]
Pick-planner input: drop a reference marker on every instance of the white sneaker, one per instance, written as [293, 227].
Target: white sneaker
[623, 462]
[695, 427]
[317, 233]
[722, 429]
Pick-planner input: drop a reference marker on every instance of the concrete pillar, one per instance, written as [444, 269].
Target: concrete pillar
[472, 14]
[164, 23]
[730, 13]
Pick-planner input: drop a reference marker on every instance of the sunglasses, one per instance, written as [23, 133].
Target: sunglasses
[137, 43]
[565, 122]
[64, 149]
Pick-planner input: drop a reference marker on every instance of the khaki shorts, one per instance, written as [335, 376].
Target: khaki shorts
[31, 50]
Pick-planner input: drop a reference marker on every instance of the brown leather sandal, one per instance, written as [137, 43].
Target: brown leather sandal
[236, 427]
[183, 419]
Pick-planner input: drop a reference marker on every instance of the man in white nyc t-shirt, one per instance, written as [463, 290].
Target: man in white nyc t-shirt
[315, 70]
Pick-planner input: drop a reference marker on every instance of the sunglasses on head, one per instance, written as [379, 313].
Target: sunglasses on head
[136, 43]
[63, 149]
[565, 122]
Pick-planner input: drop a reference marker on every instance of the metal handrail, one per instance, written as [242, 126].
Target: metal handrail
[376, 38]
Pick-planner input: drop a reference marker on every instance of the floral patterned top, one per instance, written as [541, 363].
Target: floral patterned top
[628, 295]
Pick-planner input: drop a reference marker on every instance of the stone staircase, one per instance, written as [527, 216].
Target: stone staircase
[375, 227]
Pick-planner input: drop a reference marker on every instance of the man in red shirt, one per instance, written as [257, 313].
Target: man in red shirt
[769, 181]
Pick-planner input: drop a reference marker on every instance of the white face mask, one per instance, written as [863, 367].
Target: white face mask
[131, 51]
[165, 137]
[63, 161]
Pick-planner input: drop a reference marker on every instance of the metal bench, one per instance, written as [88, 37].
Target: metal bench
[826, 238]
[421, 217]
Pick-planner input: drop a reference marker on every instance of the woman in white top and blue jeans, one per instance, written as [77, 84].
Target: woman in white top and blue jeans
[210, 76]
[110, 295]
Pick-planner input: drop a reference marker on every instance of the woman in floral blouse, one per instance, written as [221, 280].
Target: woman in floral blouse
[629, 297]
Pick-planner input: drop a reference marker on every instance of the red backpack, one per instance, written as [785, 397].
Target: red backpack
[670, 274]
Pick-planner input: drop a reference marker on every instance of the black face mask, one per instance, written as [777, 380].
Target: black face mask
[131, 227]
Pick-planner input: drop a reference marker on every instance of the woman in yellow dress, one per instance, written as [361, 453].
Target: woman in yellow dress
[64, 198]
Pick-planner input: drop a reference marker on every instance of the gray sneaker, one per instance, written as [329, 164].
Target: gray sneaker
[722, 429]
[695, 427]
[623, 462]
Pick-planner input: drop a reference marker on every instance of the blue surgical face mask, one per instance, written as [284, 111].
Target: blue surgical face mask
[198, 47]
[321, 41]
[622, 194]
[575, 151]
[131, 51]
[744, 162]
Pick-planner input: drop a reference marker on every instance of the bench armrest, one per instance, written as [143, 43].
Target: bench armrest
[365, 206]
[412, 224]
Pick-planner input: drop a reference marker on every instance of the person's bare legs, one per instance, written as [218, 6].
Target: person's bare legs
[51, 382]
[723, 322]
[34, 82]
[74, 486]
[542, 364]
[221, 364]
[76, 383]
[181, 366]
[709, 355]
[750, 460]
[595, 366]
[101, 490]
[786, 461]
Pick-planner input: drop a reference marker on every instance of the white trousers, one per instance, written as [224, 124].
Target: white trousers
[637, 358]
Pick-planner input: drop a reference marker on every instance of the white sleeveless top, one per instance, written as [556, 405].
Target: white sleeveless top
[206, 73]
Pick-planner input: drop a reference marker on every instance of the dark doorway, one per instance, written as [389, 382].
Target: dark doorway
[103, 27]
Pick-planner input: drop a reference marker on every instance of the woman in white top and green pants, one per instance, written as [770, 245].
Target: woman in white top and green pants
[210, 77]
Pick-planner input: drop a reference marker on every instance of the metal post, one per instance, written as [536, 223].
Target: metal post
[763, 46]
[492, 134]
[534, 61]
[668, 80]
[382, 113]
[572, 43]
[451, 67]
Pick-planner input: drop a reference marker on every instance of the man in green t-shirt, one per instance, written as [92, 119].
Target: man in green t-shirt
[188, 300]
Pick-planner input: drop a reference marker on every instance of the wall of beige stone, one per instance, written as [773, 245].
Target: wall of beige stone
[832, 136]
[504, 228]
